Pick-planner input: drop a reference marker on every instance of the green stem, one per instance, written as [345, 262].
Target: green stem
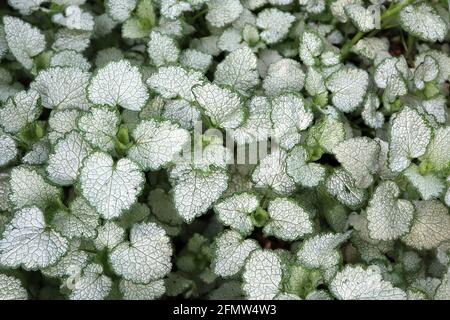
[409, 45]
[207, 122]
[395, 9]
[388, 13]
[198, 15]
[346, 48]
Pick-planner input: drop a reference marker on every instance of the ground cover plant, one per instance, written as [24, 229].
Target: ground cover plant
[224, 149]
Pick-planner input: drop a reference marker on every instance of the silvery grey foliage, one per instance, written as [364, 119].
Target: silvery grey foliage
[224, 149]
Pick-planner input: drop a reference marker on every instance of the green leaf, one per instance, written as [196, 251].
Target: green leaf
[410, 135]
[235, 211]
[156, 143]
[348, 87]
[359, 156]
[24, 40]
[28, 242]
[288, 220]
[118, 83]
[231, 251]
[356, 283]
[11, 288]
[146, 257]
[422, 21]
[111, 187]
[430, 227]
[238, 70]
[389, 217]
[262, 275]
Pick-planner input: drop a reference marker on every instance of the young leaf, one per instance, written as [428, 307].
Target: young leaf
[62, 122]
[111, 187]
[38, 154]
[287, 220]
[370, 115]
[310, 47]
[427, 71]
[356, 283]
[118, 83]
[197, 60]
[69, 58]
[231, 251]
[391, 74]
[28, 242]
[436, 107]
[258, 125]
[25, 7]
[326, 133]
[262, 275]
[230, 40]
[369, 47]
[315, 82]
[75, 40]
[442, 59]
[70, 264]
[313, 6]
[162, 49]
[338, 8]
[146, 257]
[172, 9]
[389, 217]
[183, 112]
[74, 18]
[156, 143]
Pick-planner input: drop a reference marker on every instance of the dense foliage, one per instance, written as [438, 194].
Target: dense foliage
[224, 149]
